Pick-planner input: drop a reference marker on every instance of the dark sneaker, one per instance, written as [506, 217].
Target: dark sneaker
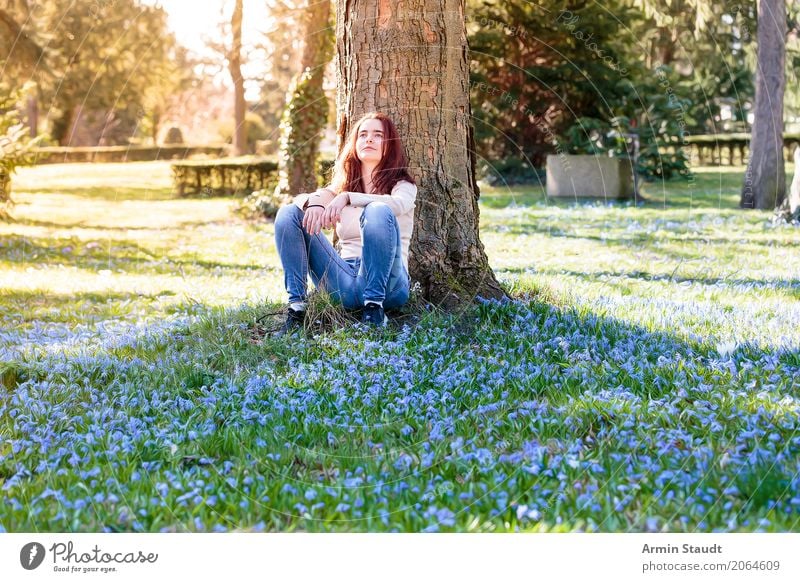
[373, 315]
[295, 321]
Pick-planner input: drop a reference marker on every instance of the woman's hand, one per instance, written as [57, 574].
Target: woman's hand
[312, 219]
[333, 212]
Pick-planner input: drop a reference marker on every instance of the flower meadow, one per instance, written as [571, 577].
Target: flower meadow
[643, 376]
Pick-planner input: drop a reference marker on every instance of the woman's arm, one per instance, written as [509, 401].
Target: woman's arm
[321, 197]
[401, 200]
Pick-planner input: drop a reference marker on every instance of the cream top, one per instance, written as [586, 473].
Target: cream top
[401, 201]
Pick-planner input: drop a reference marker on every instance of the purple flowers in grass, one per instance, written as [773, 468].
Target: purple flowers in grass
[541, 415]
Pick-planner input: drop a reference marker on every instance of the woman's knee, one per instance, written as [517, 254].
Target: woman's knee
[287, 215]
[376, 212]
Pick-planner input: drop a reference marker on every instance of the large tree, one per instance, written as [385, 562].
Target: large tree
[765, 179]
[235, 68]
[411, 61]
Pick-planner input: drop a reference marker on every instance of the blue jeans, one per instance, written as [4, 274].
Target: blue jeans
[379, 275]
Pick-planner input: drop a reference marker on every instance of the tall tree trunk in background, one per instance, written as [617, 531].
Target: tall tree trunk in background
[765, 180]
[665, 45]
[33, 114]
[411, 60]
[64, 123]
[306, 113]
[235, 66]
[156, 127]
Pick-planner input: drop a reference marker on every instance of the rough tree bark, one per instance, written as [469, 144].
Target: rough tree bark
[411, 61]
[306, 113]
[765, 180]
[235, 67]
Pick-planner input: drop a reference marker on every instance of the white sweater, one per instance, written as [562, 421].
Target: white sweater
[401, 201]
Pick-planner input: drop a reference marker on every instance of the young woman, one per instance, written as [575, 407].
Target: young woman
[370, 201]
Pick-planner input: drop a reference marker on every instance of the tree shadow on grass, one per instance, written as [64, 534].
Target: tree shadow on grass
[787, 287]
[546, 227]
[668, 248]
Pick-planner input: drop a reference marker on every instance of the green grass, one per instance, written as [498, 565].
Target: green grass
[645, 379]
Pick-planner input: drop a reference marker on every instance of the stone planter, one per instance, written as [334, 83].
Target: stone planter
[577, 176]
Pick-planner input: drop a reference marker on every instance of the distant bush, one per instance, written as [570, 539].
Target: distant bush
[262, 203]
[257, 131]
[15, 142]
[266, 202]
[508, 172]
[174, 136]
[660, 129]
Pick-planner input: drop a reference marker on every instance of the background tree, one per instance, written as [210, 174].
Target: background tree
[682, 34]
[235, 68]
[533, 76]
[765, 179]
[306, 114]
[175, 77]
[282, 50]
[548, 79]
[670, 25]
[15, 143]
[102, 57]
[792, 95]
[411, 61]
[22, 52]
[18, 48]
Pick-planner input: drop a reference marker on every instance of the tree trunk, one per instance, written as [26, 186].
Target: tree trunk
[765, 180]
[5, 191]
[156, 126]
[665, 47]
[77, 129]
[306, 113]
[62, 124]
[235, 65]
[411, 61]
[33, 116]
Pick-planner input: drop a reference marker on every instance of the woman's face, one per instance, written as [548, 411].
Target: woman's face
[369, 142]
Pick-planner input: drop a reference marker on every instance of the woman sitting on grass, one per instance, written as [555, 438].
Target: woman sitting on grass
[370, 201]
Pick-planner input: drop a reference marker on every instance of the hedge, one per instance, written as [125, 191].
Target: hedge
[111, 154]
[230, 176]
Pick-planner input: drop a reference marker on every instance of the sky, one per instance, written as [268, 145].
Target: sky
[194, 21]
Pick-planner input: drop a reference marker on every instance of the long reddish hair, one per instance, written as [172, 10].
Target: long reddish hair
[392, 168]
